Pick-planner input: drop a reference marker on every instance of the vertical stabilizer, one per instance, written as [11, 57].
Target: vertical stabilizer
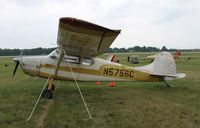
[163, 65]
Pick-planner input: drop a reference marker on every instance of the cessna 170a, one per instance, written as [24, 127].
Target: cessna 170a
[79, 42]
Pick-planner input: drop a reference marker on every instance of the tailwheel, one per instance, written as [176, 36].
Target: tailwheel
[166, 84]
[48, 94]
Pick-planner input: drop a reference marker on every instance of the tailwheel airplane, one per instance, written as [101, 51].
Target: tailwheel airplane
[79, 43]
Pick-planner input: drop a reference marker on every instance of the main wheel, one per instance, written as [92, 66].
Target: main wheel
[48, 94]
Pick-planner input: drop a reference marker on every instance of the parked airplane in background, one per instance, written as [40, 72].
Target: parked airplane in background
[176, 55]
[79, 44]
[112, 58]
[151, 57]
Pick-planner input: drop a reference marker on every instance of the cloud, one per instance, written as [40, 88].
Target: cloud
[173, 23]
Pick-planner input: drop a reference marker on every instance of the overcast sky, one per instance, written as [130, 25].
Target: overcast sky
[157, 23]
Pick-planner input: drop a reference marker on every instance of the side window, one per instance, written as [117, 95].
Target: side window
[71, 59]
[87, 61]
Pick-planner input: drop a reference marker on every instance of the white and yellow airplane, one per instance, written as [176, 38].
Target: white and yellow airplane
[79, 42]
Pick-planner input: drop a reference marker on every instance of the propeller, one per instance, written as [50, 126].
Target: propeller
[17, 61]
[16, 66]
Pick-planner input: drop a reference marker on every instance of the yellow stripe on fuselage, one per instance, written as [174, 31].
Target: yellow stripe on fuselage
[75, 69]
[121, 72]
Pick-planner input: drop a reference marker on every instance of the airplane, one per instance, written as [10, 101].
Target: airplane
[79, 43]
[112, 58]
[177, 54]
[151, 57]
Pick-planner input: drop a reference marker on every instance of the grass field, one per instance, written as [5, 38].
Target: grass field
[128, 105]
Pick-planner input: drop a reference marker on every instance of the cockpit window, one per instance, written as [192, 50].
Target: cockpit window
[66, 58]
[87, 61]
[71, 59]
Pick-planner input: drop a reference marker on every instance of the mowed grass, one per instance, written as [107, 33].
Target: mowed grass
[128, 105]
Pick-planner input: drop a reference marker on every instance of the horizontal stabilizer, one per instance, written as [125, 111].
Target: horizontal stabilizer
[178, 76]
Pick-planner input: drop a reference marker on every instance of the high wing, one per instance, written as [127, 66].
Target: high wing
[82, 38]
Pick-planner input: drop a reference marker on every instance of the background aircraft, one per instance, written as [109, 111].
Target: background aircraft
[176, 55]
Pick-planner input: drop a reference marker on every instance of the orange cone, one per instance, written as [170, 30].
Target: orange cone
[98, 83]
[112, 84]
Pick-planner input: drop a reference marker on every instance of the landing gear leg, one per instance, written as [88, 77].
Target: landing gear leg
[50, 88]
[166, 84]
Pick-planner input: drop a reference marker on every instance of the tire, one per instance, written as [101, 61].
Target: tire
[48, 94]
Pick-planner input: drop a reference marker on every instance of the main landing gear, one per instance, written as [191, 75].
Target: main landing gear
[48, 92]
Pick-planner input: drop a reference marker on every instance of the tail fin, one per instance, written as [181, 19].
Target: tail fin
[163, 65]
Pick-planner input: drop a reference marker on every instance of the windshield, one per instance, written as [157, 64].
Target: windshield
[71, 59]
[54, 54]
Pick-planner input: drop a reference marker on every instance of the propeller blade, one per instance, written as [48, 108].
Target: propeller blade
[16, 66]
[17, 61]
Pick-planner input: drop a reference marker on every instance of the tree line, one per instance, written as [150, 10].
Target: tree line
[136, 49]
[147, 49]
[34, 51]
[45, 51]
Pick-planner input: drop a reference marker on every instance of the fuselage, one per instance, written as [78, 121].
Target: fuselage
[89, 69]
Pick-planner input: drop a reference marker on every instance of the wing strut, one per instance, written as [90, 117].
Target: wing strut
[79, 90]
[49, 82]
